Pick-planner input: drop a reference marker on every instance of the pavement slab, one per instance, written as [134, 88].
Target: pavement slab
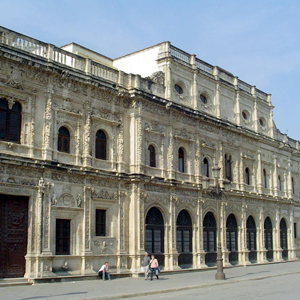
[137, 287]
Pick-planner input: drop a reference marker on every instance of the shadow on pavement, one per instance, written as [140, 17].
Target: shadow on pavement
[247, 274]
[49, 296]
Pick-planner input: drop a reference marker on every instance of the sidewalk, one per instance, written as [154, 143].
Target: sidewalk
[125, 287]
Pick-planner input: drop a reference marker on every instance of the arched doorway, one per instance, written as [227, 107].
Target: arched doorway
[269, 238]
[251, 239]
[154, 234]
[209, 239]
[283, 239]
[184, 239]
[232, 239]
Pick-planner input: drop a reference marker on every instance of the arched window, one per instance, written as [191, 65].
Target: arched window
[283, 239]
[10, 121]
[205, 167]
[279, 182]
[63, 142]
[269, 238]
[251, 239]
[181, 160]
[293, 186]
[209, 238]
[228, 174]
[154, 234]
[151, 156]
[232, 238]
[101, 143]
[184, 239]
[265, 184]
[247, 176]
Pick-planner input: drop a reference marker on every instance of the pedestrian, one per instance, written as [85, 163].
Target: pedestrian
[104, 271]
[146, 262]
[154, 267]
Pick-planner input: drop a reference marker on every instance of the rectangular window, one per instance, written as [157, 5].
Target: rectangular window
[100, 222]
[63, 237]
[295, 230]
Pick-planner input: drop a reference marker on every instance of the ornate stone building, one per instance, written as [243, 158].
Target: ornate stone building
[102, 159]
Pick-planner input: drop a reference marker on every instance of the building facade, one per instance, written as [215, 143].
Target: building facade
[103, 159]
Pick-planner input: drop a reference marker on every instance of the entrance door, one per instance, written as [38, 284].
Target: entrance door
[269, 238]
[232, 239]
[283, 239]
[155, 234]
[13, 235]
[209, 239]
[251, 239]
[184, 239]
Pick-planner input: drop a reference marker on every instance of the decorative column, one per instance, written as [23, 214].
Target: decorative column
[122, 254]
[217, 102]
[173, 265]
[259, 173]
[200, 250]
[136, 138]
[291, 237]
[195, 75]
[170, 151]
[86, 254]
[275, 176]
[48, 123]
[271, 123]
[32, 126]
[87, 158]
[134, 217]
[255, 117]
[261, 250]
[78, 143]
[237, 99]
[120, 151]
[39, 227]
[241, 175]
[289, 181]
[276, 236]
[197, 161]
[244, 257]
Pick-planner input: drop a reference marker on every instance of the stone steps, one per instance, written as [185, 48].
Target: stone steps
[4, 282]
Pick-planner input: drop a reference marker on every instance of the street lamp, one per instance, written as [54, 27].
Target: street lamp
[218, 193]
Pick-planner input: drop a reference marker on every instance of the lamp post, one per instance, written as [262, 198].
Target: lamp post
[218, 193]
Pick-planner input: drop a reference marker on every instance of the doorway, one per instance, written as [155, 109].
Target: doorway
[13, 235]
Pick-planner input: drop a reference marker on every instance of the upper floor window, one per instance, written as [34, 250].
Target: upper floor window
[181, 160]
[178, 89]
[10, 121]
[228, 173]
[101, 143]
[205, 167]
[279, 182]
[265, 183]
[293, 186]
[63, 142]
[203, 99]
[151, 156]
[247, 176]
[100, 222]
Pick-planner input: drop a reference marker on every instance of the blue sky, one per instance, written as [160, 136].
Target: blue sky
[258, 41]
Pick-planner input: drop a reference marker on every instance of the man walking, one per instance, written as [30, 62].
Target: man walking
[146, 261]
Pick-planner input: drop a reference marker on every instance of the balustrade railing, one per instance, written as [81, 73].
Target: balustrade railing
[203, 66]
[55, 54]
[181, 55]
[244, 86]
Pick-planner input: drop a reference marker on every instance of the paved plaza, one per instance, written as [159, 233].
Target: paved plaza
[185, 283]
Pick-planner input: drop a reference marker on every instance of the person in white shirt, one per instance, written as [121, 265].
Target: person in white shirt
[104, 271]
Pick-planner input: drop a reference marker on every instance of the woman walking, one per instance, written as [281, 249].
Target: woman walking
[153, 267]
